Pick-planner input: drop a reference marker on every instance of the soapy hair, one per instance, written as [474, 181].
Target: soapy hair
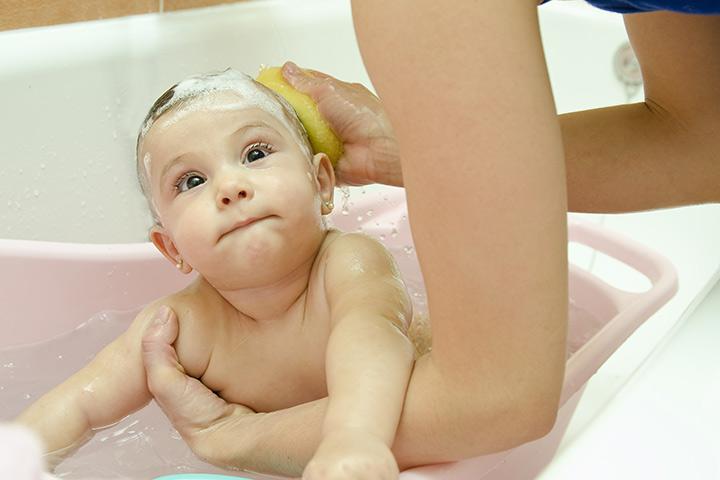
[193, 89]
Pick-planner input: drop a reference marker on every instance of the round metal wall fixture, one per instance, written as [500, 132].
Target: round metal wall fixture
[627, 69]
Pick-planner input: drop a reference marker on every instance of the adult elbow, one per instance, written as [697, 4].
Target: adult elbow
[535, 415]
[538, 422]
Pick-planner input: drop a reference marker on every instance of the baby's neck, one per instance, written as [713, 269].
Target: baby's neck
[269, 302]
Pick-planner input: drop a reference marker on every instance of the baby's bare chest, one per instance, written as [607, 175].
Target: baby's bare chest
[273, 365]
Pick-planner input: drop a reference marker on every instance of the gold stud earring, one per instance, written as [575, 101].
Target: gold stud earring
[329, 205]
[179, 263]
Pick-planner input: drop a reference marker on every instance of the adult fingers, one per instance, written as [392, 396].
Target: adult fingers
[310, 82]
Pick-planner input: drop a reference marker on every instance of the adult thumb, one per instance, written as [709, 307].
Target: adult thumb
[185, 400]
[159, 356]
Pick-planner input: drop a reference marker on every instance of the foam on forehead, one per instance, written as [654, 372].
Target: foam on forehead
[189, 95]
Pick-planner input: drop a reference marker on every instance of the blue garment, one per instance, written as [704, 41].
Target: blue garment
[707, 7]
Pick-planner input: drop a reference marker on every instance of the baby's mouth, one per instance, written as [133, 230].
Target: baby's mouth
[242, 224]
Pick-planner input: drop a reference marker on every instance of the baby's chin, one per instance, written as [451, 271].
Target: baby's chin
[238, 272]
[231, 279]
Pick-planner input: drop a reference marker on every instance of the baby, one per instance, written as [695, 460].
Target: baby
[284, 310]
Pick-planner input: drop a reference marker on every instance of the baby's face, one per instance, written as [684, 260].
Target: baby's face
[237, 196]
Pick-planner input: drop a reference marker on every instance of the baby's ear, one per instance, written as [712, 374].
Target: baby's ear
[324, 176]
[164, 243]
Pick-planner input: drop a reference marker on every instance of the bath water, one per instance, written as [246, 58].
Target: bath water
[143, 445]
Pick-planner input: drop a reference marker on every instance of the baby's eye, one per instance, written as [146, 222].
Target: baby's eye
[257, 152]
[188, 181]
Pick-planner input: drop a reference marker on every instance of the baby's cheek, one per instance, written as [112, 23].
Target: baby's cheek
[193, 234]
[296, 191]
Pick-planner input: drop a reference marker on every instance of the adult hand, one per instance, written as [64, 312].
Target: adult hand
[356, 115]
[206, 422]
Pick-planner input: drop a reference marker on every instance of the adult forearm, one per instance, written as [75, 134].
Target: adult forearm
[434, 427]
[277, 443]
[639, 157]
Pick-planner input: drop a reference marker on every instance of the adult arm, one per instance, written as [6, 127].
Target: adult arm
[467, 92]
[662, 152]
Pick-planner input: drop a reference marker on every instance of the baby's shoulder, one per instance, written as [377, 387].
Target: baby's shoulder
[356, 249]
[356, 260]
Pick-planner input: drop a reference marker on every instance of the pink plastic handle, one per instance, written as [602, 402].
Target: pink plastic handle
[632, 309]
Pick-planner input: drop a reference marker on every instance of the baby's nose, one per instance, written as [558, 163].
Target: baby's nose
[231, 192]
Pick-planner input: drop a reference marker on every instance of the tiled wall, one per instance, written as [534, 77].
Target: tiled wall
[34, 13]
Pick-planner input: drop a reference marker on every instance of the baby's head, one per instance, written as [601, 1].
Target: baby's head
[189, 94]
[217, 151]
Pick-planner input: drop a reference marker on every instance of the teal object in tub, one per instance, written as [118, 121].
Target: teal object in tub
[198, 476]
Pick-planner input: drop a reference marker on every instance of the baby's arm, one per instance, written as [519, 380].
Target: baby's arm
[368, 363]
[110, 387]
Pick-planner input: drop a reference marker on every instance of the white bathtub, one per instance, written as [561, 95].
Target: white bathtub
[73, 97]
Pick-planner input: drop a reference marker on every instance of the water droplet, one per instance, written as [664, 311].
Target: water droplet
[382, 237]
[9, 365]
[370, 213]
[360, 218]
[83, 203]
[42, 166]
[394, 233]
[408, 249]
[27, 396]
[36, 193]
[345, 199]
[60, 357]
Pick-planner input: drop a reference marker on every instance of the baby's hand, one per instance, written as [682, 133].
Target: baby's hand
[352, 454]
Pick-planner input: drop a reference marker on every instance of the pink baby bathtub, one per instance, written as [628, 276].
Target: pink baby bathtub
[48, 289]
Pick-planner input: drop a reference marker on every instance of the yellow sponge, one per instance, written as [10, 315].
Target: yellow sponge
[321, 136]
